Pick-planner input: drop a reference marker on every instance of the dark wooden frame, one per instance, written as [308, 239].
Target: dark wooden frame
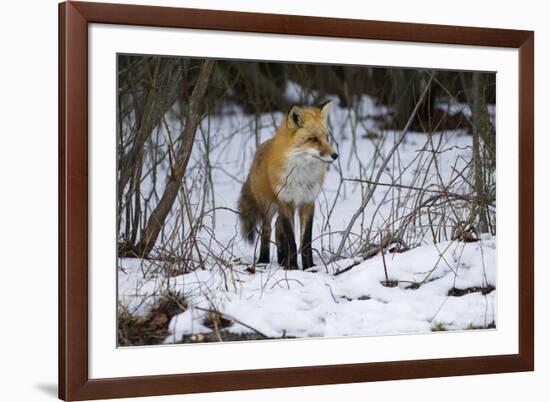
[74, 17]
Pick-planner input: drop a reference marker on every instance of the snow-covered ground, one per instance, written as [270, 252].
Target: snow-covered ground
[317, 302]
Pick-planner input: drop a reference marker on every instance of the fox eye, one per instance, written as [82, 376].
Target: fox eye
[314, 139]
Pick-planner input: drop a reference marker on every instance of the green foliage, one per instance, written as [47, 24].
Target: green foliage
[439, 327]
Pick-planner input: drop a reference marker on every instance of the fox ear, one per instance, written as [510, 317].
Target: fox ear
[325, 108]
[294, 118]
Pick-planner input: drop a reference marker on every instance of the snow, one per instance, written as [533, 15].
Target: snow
[455, 107]
[318, 303]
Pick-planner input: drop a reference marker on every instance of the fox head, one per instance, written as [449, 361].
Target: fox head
[308, 130]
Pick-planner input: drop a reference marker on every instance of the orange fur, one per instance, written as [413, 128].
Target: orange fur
[288, 170]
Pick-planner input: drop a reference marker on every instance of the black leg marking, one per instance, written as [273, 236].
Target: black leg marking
[265, 240]
[307, 254]
[286, 244]
[279, 239]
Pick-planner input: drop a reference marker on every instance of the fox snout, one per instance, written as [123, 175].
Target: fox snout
[329, 155]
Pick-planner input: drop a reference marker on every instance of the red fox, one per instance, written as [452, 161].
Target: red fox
[286, 175]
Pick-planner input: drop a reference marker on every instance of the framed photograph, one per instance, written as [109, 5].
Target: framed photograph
[259, 200]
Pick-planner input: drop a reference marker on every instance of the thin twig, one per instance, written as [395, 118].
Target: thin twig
[231, 318]
[383, 167]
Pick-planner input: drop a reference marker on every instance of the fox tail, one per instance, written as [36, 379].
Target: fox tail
[249, 213]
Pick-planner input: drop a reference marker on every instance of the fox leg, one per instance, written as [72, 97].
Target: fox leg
[306, 226]
[265, 238]
[286, 243]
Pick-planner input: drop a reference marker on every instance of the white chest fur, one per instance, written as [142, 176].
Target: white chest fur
[302, 180]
